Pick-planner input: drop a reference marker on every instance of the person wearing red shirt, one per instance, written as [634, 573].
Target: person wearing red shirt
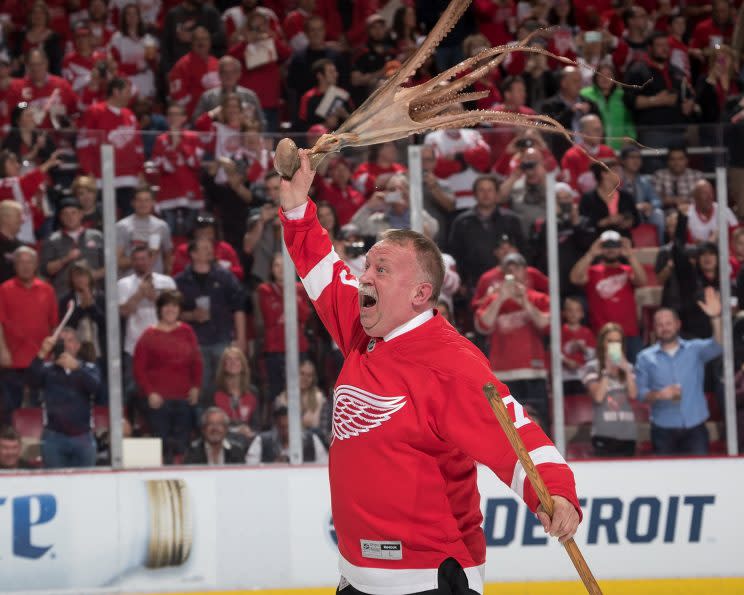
[713, 31]
[610, 286]
[271, 305]
[679, 51]
[381, 164]
[28, 314]
[99, 23]
[492, 279]
[168, 371]
[577, 345]
[294, 24]
[409, 412]
[326, 77]
[496, 20]
[633, 43]
[78, 64]
[27, 190]
[355, 35]
[515, 319]
[236, 19]
[576, 162]
[205, 227]
[194, 73]
[261, 55]
[235, 394]
[177, 155]
[338, 191]
[112, 122]
[514, 93]
[50, 97]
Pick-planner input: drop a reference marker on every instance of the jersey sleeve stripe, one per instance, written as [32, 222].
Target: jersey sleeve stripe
[543, 454]
[320, 276]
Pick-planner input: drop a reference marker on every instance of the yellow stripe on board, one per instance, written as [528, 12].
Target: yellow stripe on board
[692, 586]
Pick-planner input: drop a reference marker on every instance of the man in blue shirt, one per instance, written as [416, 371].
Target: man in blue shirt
[670, 376]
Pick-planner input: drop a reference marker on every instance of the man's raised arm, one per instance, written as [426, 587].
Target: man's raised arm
[326, 278]
[293, 193]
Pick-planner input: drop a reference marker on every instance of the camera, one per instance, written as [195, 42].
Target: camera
[565, 210]
[59, 349]
[524, 143]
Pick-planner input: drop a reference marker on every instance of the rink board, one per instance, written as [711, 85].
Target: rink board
[269, 530]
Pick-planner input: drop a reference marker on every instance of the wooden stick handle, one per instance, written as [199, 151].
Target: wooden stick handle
[65, 320]
[502, 414]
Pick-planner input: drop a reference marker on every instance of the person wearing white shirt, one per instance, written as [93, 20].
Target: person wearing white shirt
[137, 294]
[702, 218]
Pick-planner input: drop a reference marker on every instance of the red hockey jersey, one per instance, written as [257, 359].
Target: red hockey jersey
[179, 166]
[190, 77]
[54, 98]
[118, 126]
[409, 421]
[576, 165]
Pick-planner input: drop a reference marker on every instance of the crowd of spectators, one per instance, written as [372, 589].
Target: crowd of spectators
[193, 96]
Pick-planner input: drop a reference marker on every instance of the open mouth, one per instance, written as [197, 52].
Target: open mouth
[368, 301]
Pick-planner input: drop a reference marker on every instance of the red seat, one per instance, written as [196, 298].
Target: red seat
[101, 417]
[578, 410]
[644, 236]
[579, 450]
[651, 280]
[29, 422]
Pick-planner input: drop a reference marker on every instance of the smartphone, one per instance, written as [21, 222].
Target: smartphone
[615, 352]
[393, 197]
[59, 349]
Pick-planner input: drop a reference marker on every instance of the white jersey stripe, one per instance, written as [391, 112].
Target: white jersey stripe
[320, 276]
[544, 454]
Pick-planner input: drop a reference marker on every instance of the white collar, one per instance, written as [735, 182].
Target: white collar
[415, 322]
[113, 108]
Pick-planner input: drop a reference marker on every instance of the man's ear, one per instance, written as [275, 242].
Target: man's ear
[422, 294]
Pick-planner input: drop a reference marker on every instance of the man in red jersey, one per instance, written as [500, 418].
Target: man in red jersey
[409, 412]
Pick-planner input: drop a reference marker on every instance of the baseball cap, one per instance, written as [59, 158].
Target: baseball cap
[610, 238]
[70, 201]
[514, 258]
[504, 238]
[704, 247]
[374, 18]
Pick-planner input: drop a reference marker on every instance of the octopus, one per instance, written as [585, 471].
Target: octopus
[395, 111]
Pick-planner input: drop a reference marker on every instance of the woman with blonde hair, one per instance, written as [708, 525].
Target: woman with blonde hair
[611, 383]
[312, 398]
[235, 394]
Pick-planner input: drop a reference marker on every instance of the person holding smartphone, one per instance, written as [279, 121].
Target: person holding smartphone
[610, 381]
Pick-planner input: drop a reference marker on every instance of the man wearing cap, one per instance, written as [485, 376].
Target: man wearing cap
[78, 64]
[338, 190]
[610, 286]
[70, 244]
[516, 319]
[492, 278]
[369, 68]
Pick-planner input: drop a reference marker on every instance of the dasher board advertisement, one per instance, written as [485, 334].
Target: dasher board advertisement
[201, 529]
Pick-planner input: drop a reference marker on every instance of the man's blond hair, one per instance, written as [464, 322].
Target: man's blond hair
[427, 254]
[8, 207]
